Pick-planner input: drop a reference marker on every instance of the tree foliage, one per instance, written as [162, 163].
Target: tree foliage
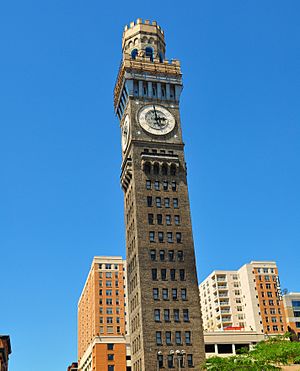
[267, 355]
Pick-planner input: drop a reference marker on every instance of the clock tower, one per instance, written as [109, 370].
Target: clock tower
[163, 298]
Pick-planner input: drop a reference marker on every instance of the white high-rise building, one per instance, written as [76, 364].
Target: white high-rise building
[246, 299]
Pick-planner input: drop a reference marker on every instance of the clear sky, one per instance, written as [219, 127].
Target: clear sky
[60, 156]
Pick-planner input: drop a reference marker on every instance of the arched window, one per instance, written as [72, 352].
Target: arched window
[147, 167]
[149, 53]
[161, 57]
[164, 169]
[173, 169]
[134, 53]
[156, 169]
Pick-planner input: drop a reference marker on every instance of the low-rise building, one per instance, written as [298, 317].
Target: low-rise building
[291, 303]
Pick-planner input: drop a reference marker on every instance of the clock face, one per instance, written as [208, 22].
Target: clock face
[156, 119]
[125, 133]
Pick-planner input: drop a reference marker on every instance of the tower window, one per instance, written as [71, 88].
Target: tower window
[168, 338]
[165, 294]
[161, 57]
[162, 255]
[171, 255]
[167, 315]
[160, 236]
[170, 237]
[153, 255]
[178, 237]
[147, 168]
[180, 255]
[175, 203]
[148, 184]
[173, 186]
[190, 360]
[173, 170]
[163, 273]
[149, 201]
[178, 337]
[176, 315]
[173, 274]
[167, 202]
[155, 294]
[183, 294]
[149, 53]
[154, 274]
[152, 236]
[177, 219]
[157, 315]
[168, 219]
[134, 53]
[158, 201]
[164, 169]
[150, 218]
[174, 294]
[159, 218]
[186, 317]
[156, 185]
[158, 338]
[165, 185]
[156, 169]
[182, 274]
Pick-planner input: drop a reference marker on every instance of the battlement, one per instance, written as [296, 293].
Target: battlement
[146, 31]
[145, 22]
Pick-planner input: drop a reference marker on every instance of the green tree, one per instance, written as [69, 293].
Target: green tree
[267, 355]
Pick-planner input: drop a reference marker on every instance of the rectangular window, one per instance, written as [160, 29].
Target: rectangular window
[173, 274]
[269, 293]
[158, 338]
[168, 338]
[188, 338]
[180, 255]
[159, 219]
[178, 237]
[108, 275]
[109, 311]
[162, 255]
[109, 320]
[157, 315]
[158, 201]
[182, 274]
[110, 346]
[178, 337]
[167, 202]
[156, 185]
[107, 266]
[274, 319]
[190, 361]
[186, 316]
[168, 219]
[149, 201]
[271, 302]
[108, 292]
[173, 186]
[153, 255]
[183, 294]
[275, 328]
[152, 236]
[163, 273]
[174, 294]
[148, 184]
[177, 219]
[167, 315]
[154, 274]
[160, 236]
[165, 294]
[155, 294]
[150, 219]
[175, 203]
[171, 255]
[176, 315]
[109, 301]
[165, 185]
[111, 368]
[110, 357]
[170, 237]
[170, 361]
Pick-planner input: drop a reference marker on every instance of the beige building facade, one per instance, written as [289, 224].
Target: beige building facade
[102, 328]
[291, 303]
[248, 299]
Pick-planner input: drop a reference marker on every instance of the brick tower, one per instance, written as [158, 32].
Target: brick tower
[164, 309]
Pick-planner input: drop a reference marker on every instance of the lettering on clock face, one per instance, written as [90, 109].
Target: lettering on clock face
[156, 119]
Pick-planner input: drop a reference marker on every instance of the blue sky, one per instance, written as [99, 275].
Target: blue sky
[60, 156]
